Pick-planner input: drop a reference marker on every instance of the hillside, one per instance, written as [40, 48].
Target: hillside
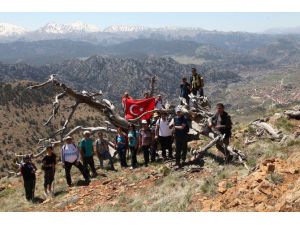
[23, 114]
[209, 185]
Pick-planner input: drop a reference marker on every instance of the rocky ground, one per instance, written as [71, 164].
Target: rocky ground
[272, 184]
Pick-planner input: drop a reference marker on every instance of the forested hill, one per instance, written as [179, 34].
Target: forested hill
[115, 75]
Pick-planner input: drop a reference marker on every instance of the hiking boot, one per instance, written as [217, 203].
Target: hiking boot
[94, 175]
[228, 158]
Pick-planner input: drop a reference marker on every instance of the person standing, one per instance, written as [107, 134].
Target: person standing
[70, 157]
[164, 135]
[158, 103]
[121, 147]
[49, 162]
[124, 99]
[154, 142]
[197, 83]
[145, 141]
[87, 153]
[102, 150]
[133, 144]
[146, 95]
[28, 170]
[180, 125]
[220, 123]
[185, 90]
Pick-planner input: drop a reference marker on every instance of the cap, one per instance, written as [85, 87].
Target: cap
[68, 138]
[178, 109]
[144, 122]
[155, 114]
[86, 132]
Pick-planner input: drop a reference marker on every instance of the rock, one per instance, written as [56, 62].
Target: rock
[290, 170]
[106, 182]
[270, 168]
[266, 188]
[265, 162]
[260, 207]
[236, 202]
[131, 185]
[222, 190]
[222, 187]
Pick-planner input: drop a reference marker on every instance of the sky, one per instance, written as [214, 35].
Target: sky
[250, 22]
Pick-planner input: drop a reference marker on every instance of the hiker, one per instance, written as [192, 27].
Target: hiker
[133, 144]
[154, 143]
[164, 135]
[197, 83]
[121, 147]
[124, 99]
[220, 123]
[70, 156]
[49, 162]
[180, 125]
[103, 151]
[146, 95]
[145, 141]
[28, 170]
[185, 91]
[158, 103]
[87, 153]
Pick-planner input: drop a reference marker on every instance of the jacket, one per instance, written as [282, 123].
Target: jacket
[226, 121]
[197, 81]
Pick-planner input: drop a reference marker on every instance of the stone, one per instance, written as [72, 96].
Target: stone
[106, 182]
[222, 187]
[270, 168]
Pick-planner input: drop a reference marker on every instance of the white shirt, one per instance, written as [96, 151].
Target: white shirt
[164, 130]
[69, 153]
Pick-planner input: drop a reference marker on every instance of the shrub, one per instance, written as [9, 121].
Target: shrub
[275, 178]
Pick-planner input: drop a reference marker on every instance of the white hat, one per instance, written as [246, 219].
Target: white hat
[178, 109]
[86, 132]
[144, 122]
[68, 137]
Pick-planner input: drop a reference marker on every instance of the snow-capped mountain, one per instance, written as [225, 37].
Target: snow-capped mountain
[76, 27]
[125, 28]
[136, 28]
[7, 29]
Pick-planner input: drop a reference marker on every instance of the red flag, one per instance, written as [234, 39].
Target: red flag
[136, 107]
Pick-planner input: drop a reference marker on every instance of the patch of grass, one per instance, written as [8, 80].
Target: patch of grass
[293, 143]
[209, 186]
[229, 184]
[6, 192]
[275, 178]
[284, 124]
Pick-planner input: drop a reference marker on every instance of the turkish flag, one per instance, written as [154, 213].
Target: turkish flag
[136, 107]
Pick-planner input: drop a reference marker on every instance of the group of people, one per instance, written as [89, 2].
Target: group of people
[195, 86]
[161, 130]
